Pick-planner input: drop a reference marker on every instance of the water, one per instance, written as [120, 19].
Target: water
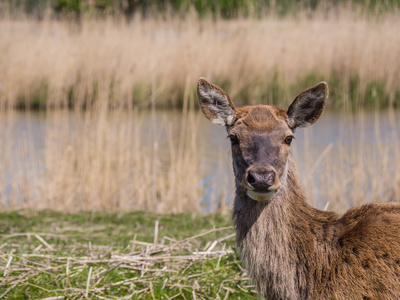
[25, 137]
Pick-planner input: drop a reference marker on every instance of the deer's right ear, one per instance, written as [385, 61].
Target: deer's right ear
[215, 103]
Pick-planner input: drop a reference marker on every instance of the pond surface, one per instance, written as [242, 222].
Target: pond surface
[338, 143]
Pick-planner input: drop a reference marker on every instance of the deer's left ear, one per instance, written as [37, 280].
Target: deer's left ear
[308, 106]
[215, 103]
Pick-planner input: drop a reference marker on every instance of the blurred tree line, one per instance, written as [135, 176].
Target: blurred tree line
[223, 8]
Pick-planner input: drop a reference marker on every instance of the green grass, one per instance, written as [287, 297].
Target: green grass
[223, 8]
[344, 92]
[48, 254]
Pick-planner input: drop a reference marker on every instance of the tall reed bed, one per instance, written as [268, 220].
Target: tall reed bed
[67, 64]
[358, 165]
[171, 162]
[102, 160]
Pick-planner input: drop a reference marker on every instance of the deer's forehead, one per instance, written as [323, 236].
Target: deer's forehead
[261, 118]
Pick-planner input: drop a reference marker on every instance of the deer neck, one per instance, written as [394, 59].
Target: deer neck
[278, 241]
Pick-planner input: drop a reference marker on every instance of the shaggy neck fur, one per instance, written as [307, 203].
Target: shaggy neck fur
[279, 241]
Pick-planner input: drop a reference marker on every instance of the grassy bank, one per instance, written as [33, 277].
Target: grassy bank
[153, 61]
[121, 255]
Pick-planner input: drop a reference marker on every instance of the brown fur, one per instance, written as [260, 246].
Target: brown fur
[292, 250]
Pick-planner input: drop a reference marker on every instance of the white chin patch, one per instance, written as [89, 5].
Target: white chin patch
[260, 196]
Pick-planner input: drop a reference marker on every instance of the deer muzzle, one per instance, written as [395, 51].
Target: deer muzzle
[261, 182]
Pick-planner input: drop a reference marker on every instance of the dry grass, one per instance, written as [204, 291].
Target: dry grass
[140, 268]
[65, 63]
[62, 256]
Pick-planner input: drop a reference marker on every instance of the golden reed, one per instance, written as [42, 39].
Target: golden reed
[64, 62]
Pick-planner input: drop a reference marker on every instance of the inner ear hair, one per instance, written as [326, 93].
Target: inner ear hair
[215, 103]
[308, 106]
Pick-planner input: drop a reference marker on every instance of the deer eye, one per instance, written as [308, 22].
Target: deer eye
[234, 139]
[289, 139]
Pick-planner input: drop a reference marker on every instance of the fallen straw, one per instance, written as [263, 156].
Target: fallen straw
[155, 234]
[43, 241]
[166, 265]
[8, 265]
[88, 282]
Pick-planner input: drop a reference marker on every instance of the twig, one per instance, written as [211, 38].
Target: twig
[221, 252]
[20, 253]
[28, 234]
[77, 290]
[8, 265]
[212, 246]
[209, 231]
[38, 248]
[43, 242]
[67, 272]
[155, 233]
[88, 282]
[141, 291]
[152, 290]
[164, 283]
[226, 295]
[219, 258]
[106, 272]
[226, 237]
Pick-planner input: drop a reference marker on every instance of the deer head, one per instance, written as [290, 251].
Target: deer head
[261, 135]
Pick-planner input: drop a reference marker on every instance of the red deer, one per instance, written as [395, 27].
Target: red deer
[290, 249]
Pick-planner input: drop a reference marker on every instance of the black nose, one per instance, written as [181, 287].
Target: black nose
[261, 180]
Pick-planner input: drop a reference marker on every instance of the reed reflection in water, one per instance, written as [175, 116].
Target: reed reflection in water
[177, 161]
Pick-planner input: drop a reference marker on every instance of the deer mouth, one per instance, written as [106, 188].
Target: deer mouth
[261, 195]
